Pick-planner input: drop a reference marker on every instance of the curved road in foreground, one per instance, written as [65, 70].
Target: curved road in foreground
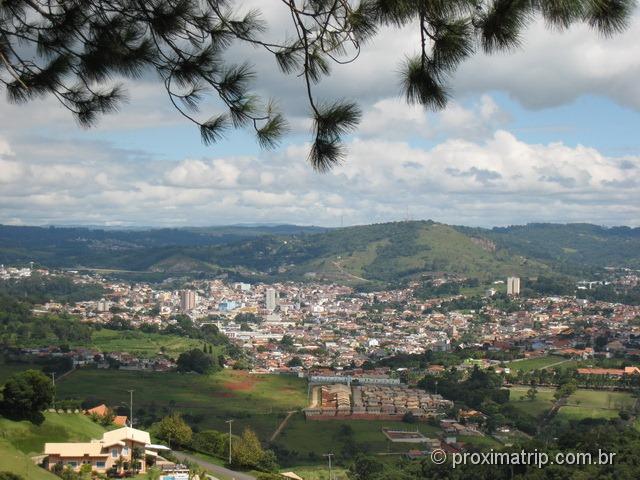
[213, 468]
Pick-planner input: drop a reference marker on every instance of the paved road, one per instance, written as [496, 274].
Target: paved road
[214, 469]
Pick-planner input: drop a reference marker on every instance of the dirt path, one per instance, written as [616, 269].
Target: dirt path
[350, 275]
[282, 425]
[561, 402]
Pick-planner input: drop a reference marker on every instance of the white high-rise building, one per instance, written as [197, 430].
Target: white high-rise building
[271, 299]
[513, 286]
[188, 300]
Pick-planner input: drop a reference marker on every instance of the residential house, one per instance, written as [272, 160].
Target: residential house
[115, 449]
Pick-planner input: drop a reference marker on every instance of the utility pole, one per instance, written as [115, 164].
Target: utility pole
[53, 379]
[229, 422]
[131, 407]
[329, 455]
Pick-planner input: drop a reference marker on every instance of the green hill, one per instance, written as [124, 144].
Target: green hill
[398, 251]
[19, 441]
[368, 254]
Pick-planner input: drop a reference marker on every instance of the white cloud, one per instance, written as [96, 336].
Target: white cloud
[492, 181]
[393, 119]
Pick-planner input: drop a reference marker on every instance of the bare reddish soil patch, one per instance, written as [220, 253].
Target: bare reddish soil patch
[224, 394]
[244, 383]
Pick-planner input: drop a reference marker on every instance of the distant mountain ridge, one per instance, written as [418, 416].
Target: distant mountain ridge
[379, 253]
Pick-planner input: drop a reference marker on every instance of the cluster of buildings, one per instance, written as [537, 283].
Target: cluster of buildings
[296, 326]
[7, 273]
[373, 401]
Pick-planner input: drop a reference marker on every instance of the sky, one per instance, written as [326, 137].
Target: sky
[547, 133]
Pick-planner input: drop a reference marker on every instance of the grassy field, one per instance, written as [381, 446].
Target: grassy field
[14, 461]
[309, 437]
[141, 343]
[57, 427]
[318, 473]
[595, 404]
[259, 401]
[21, 440]
[537, 407]
[602, 399]
[539, 363]
[7, 370]
[478, 441]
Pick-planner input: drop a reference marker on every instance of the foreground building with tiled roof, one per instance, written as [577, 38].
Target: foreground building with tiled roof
[114, 450]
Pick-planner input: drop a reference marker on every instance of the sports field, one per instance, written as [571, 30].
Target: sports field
[550, 361]
[595, 404]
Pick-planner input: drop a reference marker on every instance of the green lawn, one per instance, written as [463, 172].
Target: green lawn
[141, 343]
[538, 363]
[258, 401]
[595, 404]
[580, 413]
[601, 399]
[537, 407]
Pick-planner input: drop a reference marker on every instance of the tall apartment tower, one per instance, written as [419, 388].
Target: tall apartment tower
[513, 286]
[271, 299]
[188, 300]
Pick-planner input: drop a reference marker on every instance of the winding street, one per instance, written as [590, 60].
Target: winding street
[214, 469]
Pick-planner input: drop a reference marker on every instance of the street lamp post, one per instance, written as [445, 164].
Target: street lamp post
[329, 455]
[53, 379]
[229, 422]
[131, 407]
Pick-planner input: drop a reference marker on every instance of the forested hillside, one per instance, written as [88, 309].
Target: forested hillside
[379, 253]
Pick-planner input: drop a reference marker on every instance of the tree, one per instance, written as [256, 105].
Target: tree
[154, 473]
[409, 417]
[195, 361]
[119, 463]
[85, 471]
[10, 476]
[137, 454]
[532, 393]
[74, 50]
[295, 362]
[174, 429]
[247, 451]
[363, 467]
[26, 394]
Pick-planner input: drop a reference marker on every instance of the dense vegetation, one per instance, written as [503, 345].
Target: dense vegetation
[19, 327]
[40, 289]
[572, 247]
[25, 395]
[588, 436]
[368, 255]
